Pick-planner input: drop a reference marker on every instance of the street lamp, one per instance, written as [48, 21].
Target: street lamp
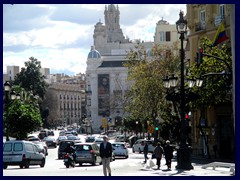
[184, 151]
[7, 88]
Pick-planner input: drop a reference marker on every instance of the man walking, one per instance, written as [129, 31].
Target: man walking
[145, 151]
[106, 154]
[168, 152]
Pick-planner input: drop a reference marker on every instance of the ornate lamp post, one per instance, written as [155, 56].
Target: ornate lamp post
[184, 151]
[7, 88]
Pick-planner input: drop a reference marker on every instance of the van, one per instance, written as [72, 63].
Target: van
[139, 145]
[22, 153]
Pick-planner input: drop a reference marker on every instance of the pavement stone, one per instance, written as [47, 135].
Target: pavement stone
[196, 171]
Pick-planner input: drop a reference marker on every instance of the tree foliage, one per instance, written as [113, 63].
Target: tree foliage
[31, 79]
[23, 118]
[217, 75]
[146, 98]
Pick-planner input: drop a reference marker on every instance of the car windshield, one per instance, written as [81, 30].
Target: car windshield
[83, 147]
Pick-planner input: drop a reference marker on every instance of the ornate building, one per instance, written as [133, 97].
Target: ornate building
[212, 126]
[105, 75]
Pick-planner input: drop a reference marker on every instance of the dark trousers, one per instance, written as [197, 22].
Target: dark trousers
[158, 162]
[168, 162]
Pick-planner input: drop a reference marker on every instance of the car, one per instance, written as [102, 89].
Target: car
[90, 139]
[50, 133]
[41, 148]
[139, 145]
[42, 144]
[119, 149]
[87, 153]
[50, 141]
[62, 146]
[74, 138]
[60, 138]
[98, 141]
[22, 153]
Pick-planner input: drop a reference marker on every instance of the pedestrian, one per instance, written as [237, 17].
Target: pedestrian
[106, 154]
[168, 152]
[145, 151]
[158, 151]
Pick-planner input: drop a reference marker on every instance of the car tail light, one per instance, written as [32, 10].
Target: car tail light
[91, 151]
[23, 156]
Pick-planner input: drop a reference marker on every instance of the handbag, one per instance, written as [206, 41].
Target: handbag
[153, 156]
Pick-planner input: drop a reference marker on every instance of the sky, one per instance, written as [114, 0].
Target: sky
[60, 36]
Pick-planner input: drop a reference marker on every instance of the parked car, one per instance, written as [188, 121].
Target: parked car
[87, 153]
[139, 145]
[50, 141]
[22, 153]
[62, 146]
[98, 141]
[119, 149]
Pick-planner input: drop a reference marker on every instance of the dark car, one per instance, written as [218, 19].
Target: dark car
[62, 146]
[50, 141]
[87, 153]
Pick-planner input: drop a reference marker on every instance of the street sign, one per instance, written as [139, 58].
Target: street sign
[150, 129]
[104, 122]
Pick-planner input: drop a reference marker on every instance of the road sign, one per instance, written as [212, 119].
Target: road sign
[104, 122]
[150, 129]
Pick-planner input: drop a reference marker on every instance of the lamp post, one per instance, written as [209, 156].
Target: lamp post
[7, 88]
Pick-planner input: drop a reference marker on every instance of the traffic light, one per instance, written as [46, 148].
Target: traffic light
[156, 128]
[186, 116]
[199, 56]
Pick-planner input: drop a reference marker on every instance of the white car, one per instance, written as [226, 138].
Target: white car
[139, 145]
[119, 149]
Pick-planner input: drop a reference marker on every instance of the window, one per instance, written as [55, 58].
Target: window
[165, 36]
[222, 11]
[162, 36]
[168, 36]
[202, 15]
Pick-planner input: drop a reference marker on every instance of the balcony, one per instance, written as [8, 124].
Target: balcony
[200, 26]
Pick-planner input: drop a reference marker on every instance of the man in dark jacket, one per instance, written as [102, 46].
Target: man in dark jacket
[145, 151]
[106, 154]
[168, 152]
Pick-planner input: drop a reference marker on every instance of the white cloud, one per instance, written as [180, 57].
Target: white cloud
[60, 35]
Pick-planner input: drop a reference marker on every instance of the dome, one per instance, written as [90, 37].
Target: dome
[94, 53]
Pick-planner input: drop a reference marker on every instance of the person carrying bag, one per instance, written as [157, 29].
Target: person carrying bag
[158, 152]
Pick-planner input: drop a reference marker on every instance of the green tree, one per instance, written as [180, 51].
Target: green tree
[23, 118]
[146, 98]
[31, 79]
[217, 75]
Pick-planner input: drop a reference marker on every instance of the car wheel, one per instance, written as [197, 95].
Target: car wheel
[126, 156]
[42, 163]
[21, 166]
[27, 163]
[133, 150]
[5, 166]
[80, 164]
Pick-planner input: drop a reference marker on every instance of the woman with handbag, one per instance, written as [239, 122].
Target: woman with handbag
[158, 152]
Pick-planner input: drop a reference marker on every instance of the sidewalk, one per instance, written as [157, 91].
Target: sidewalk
[196, 171]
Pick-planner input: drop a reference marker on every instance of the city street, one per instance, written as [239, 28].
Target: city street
[133, 166]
